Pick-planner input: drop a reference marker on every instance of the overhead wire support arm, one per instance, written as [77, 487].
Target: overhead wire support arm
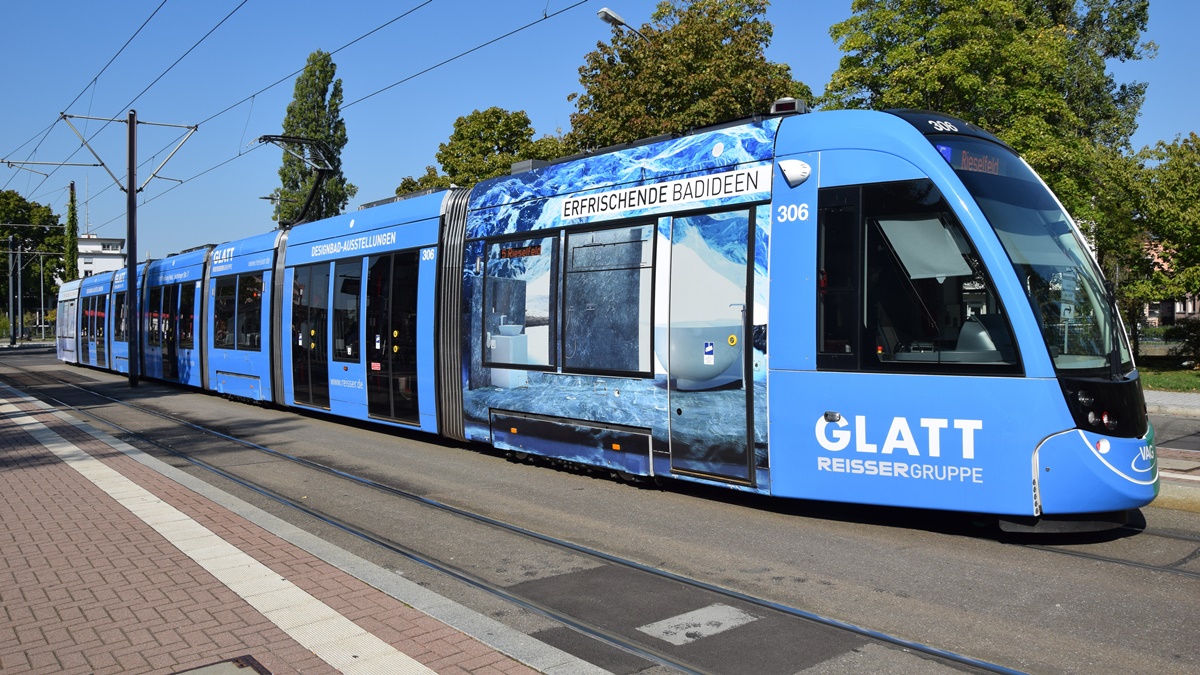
[67, 118]
[154, 174]
[19, 164]
[192, 128]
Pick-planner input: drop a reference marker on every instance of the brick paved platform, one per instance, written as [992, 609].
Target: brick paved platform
[108, 566]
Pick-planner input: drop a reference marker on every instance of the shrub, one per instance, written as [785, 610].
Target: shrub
[1187, 334]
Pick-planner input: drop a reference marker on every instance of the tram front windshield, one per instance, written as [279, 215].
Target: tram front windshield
[1060, 277]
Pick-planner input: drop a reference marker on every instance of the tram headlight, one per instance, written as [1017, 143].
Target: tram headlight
[1110, 421]
[1085, 399]
[1092, 418]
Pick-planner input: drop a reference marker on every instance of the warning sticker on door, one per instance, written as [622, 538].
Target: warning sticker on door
[709, 353]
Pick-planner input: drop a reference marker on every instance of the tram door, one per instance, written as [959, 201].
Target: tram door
[710, 393]
[310, 352]
[98, 332]
[170, 360]
[391, 334]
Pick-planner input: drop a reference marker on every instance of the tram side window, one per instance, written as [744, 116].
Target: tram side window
[249, 312]
[520, 300]
[837, 279]
[119, 328]
[98, 331]
[926, 301]
[607, 292]
[347, 288]
[153, 314]
[187, 315]
[85, 324]
[170, 303]
[224, 308]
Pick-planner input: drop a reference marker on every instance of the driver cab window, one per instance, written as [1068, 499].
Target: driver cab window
[919, 295]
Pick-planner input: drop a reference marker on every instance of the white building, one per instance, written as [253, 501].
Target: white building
[100, 254]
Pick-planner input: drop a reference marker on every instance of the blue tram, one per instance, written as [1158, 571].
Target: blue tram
[875, 307]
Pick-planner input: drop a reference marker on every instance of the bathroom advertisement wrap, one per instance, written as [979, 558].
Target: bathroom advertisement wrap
[568, 311]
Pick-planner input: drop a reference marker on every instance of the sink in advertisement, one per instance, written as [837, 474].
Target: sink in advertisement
[510, 329]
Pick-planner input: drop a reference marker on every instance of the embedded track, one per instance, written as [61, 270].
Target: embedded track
[802, 627]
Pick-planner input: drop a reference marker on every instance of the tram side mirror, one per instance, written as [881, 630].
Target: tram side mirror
[795, 171]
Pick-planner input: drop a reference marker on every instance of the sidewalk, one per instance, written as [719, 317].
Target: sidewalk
[1179, 487]
[1178, 403]
[109, 566]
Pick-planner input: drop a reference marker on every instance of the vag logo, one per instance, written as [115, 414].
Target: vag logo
[1143, 461]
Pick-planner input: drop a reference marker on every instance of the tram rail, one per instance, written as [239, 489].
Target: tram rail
[34, 380]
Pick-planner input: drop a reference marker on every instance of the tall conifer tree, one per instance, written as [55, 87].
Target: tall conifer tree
[71, 240]
[314, 113]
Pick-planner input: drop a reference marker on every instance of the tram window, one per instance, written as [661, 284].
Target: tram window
[520, 299]
[837, 279]
[101, 302]
[347, 288]
[224, 307]
[169, 304]
[249, 312]
[926, 303]
[119, 327]
[607, 292]
[85, 323]
[187, 315]
[153, 307]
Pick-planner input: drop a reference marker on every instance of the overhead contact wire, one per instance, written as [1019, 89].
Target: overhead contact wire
[91, 84]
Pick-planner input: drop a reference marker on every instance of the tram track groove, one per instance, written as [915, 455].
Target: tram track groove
[456, 572]
[1169, 569]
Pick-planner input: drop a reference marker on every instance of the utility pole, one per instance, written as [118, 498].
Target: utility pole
[131, 189]
[131, 295]
[20, 324]
[12, 335]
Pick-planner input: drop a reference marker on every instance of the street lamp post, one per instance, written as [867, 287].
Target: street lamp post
[613, 19]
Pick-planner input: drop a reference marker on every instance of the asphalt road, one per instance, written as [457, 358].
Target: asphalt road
[1179, 433]
[927, 577]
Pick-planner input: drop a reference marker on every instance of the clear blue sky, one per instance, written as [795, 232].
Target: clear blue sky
[52, 52]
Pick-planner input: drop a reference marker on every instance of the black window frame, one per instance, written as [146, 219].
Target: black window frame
[350, 329]
[187, 307]
[555, 300]
[120, 328]
[864, 354]
[224, 311]
[564, 295]
[242, 340]
[153, 314]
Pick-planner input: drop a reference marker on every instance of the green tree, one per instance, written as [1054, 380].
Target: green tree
[314, 113]
[70, 245]
[1034, 73]
[1172, 205]
[484, 144]
[17, 214]
[430, 179]
[1031, 71]
[702, 63]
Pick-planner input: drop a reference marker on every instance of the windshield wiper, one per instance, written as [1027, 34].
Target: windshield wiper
[1114, 354]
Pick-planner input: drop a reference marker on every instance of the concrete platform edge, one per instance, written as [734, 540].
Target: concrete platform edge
[1173, 410]
[1178, 497]
[496, 635]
